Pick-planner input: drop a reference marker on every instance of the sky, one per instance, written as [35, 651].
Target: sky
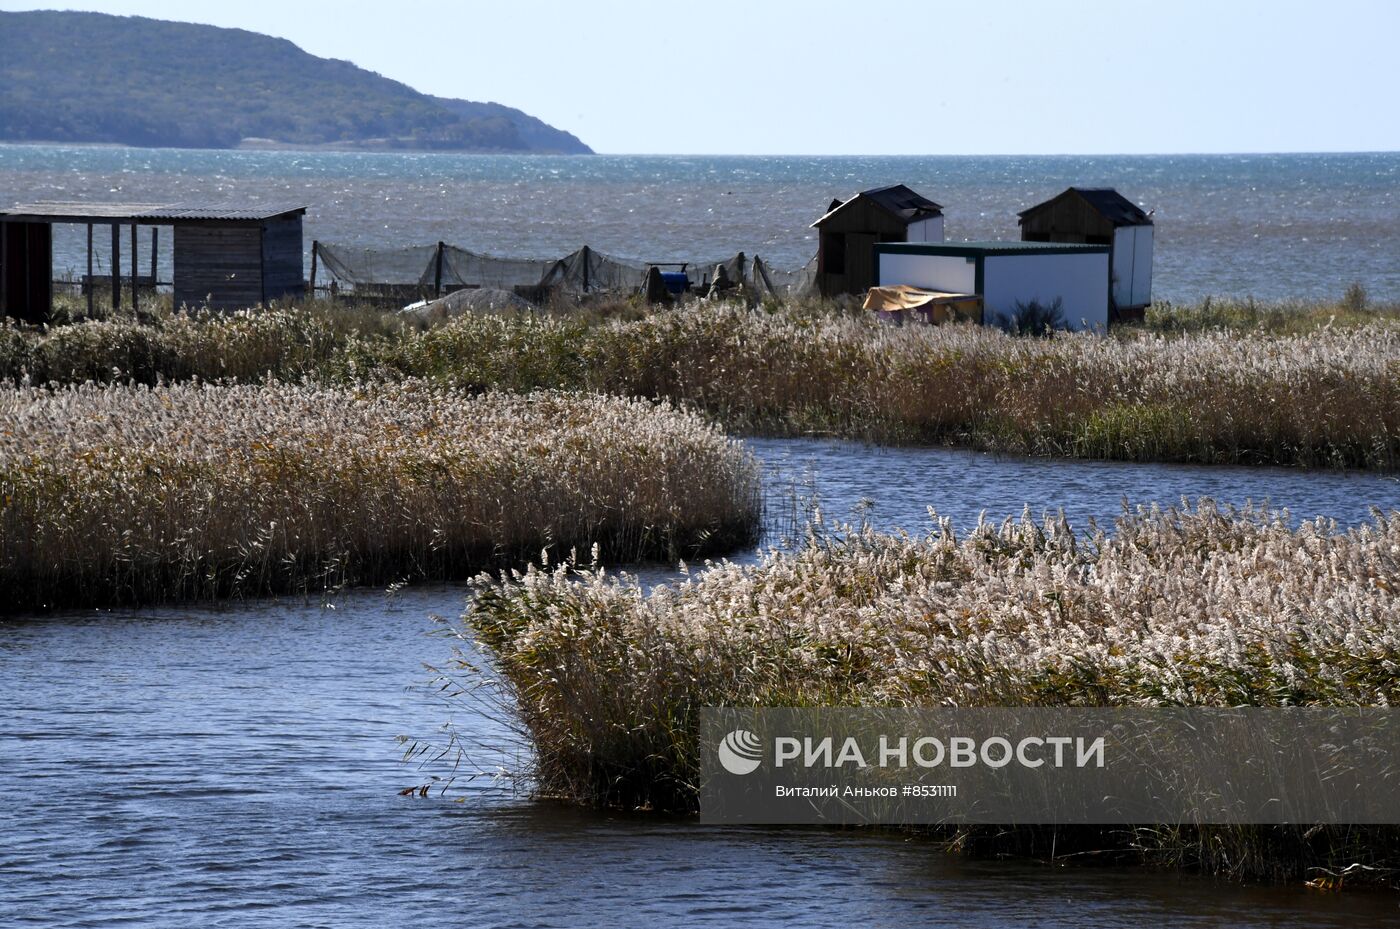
[884, 77]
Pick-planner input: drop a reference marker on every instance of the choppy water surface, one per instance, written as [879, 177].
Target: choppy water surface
[238, 766]
[893, 488]
[1271, 226]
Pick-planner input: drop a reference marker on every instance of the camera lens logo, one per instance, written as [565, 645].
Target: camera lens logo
[740, 752]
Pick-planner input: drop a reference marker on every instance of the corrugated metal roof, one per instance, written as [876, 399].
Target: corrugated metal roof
[896, 199]
[904, 202]
[997, 247]
[151, 213]
[64, 209]
[1109, 203]
[206, 211]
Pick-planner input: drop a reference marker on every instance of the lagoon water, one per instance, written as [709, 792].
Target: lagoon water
[1268, 226]
[238, 766]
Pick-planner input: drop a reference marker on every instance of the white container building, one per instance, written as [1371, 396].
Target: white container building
[1007, 276]
[1101, 216]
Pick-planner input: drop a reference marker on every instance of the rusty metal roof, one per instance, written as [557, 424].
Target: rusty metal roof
[153, 214]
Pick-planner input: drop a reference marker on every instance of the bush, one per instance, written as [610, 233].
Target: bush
[1034, 318]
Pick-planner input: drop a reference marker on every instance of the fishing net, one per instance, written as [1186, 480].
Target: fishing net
[767, 279]
[461, 268]
[703, 273]
[590, 271]
[368, 267]
[432, 270]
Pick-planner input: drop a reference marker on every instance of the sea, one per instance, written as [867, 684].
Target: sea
[1271, 227]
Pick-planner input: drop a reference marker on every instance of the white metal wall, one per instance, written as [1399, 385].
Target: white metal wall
[927, 230]
[1079, 281]
[1132, 265]
[1124, 243]
[1142, 266]
[949, 273]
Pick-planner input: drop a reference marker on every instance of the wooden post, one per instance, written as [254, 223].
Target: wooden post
[312, 294]
[584, 252]
[4, 270]
[134, 254]
[437, 272]
[116, 267]
[155, 241]
[90, 287]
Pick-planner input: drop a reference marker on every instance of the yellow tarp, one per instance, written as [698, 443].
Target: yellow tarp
[932, 306]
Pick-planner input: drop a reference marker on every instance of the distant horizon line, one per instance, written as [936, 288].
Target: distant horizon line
[291, 149]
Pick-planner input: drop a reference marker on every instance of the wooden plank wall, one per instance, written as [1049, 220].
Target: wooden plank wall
[865, 216]
[26, 271]
[282, 255]
[862, 223]
[1068, 219]
[219, 266]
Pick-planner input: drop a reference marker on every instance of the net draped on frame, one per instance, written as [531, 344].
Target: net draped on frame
[427, 270]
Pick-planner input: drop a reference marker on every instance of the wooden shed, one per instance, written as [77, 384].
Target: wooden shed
[1101, 216]
[850, 230]
[225, 257]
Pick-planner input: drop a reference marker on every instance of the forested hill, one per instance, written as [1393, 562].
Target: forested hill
[90, 77]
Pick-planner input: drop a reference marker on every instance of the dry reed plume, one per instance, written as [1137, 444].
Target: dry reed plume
[1294, 389]
[1175, 607]
[125, 494]
[1328, 397]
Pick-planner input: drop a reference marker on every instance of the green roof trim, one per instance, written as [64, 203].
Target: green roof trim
[981, 249]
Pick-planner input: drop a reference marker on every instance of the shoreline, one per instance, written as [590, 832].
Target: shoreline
[390, 146]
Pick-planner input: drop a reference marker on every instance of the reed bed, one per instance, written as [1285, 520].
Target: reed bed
[246, 346]
[1327, 398]
[121, 494]
[1316, 395]
[1247, 315]
[1174, 607]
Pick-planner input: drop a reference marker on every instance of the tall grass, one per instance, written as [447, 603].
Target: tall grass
[1247, 315]
[1325, 398]
[123, 494]
[246, 346]
[1201, 607]
[1320, 395]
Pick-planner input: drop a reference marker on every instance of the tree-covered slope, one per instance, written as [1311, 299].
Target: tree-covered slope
[90, 77]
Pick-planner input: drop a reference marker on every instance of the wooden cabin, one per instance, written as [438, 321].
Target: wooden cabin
[850, 230]
[239, 264]
[1101, 216]
[225, 257]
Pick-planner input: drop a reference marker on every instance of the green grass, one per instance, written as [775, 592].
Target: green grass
[1355, 308]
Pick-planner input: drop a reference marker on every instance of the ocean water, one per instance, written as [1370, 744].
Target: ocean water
[1268, 226]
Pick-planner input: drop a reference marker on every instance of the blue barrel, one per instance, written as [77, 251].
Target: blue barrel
[677, 282]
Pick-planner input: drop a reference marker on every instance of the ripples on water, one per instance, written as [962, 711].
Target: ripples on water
[1274, 226]
[893, 488]
[238, 766]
